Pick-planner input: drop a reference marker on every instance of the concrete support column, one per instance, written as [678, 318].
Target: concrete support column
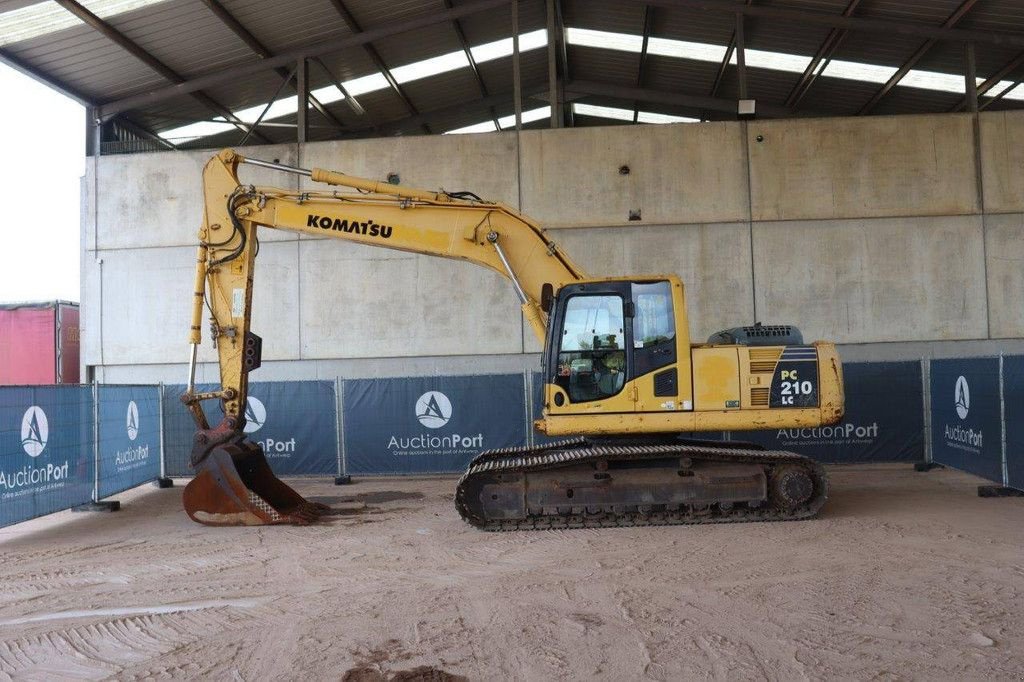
[93, 132]
[553, 98]
[517, 87]
[970, 78]
[302, 89]
[741, 58]
[971, 105]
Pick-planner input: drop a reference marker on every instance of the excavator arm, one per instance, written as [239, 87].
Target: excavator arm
[234, 484]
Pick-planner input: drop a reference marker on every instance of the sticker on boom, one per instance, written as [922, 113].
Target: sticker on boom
[369, 228]
[795, 382]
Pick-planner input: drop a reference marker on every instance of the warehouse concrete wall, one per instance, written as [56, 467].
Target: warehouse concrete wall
[897, 237]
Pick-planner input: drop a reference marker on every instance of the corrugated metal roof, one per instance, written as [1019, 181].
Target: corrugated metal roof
[836, 96]
[88, 62]
[916, 101]
[8, 5]
[605, 15]
[441, 90]
[704, 27]
[995, 15]
[871, 49]
[949, 58]
[1003, 105]
[784, 36]
[496, 24]
[282, 26]
[347, 64]
[611, 66]
[373, 13]
[681, 75]
[182, 36]
[190, 39]
[429, 42]
[497, 74]
[932, 12]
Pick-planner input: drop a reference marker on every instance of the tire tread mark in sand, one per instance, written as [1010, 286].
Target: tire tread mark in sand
[13, 656]
[109, 646]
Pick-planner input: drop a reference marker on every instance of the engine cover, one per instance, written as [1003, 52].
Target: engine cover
[759, 335]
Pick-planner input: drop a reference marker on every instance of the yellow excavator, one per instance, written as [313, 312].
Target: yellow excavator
[620, 373]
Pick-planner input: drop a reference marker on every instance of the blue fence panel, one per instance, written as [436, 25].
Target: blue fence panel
[425, 425]
[46, 450]
[178, 429]
[1013, 393]
[884, 420]
[293, 421]
[129, 437]
[965, 414]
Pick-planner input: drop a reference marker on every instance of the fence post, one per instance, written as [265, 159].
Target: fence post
[339, 403]
[95, 442]
[95, 504]
[160, 402]
[1002, 423]
[163, 481]
[926, 403]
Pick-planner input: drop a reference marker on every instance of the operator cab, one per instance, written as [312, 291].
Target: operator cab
[604, 334]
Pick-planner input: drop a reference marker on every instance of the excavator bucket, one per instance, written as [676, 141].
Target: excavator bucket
[234, 485]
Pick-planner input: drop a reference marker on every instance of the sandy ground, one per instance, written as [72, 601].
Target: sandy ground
[905, 576]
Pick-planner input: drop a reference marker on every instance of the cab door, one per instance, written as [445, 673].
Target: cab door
[588, 360]
[654, 348]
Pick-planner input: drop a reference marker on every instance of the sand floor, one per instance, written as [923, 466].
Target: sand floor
[905, 576]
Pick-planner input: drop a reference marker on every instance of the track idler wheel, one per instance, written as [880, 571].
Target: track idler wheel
[234, 485]
[791, 486]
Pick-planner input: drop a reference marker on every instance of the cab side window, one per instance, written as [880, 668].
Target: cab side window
[592, 349]
[654, 333]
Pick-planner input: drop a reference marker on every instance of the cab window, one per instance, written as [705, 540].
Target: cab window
[654, 333]
[592, 348]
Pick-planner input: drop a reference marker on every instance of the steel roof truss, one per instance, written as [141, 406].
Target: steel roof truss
[641, 67]
[472, 62]
[133, 48]
[918, 55]
[319, 49]
[994, 80]
[375, 57]
[821, 58]
[261, 51]
[868, 25]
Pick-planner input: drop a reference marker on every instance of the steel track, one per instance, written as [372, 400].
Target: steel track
[524, 460]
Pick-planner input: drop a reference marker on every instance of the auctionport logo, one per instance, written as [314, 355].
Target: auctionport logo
[35, 431]
[433, 409]
[844, 431]
[132, 419]
[962, 397]
[255, 415]
[33, 478]
[959, 436]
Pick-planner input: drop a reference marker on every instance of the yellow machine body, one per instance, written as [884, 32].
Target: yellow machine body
[718, 388]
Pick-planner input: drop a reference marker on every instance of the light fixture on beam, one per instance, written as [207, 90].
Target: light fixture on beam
[746, 109]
